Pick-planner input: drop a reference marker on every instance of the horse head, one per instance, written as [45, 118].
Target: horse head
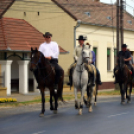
[35, 59]
[85, 54]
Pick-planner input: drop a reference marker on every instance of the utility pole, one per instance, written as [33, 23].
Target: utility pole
[122, 20]
[120, 24]
[117, 25]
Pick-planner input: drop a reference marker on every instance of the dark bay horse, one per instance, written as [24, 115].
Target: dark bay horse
[46, 78]
[124, 78]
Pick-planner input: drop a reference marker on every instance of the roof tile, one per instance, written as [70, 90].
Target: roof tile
[19, 35]
[98, 12]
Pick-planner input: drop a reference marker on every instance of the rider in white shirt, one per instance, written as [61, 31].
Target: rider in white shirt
[50, 50]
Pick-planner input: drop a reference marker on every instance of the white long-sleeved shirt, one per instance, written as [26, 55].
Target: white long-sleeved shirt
[50, 49]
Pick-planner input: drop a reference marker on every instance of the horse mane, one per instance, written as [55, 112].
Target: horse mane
[43, 59]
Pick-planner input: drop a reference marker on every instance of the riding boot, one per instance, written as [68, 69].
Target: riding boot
[36, 77]
[98, 77]
[70, 76]
[70, 80]
[115, 81]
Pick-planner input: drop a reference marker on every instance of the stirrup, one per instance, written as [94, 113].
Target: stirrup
[92, 84]
[55, 88]
[116, 82]
[99, 82]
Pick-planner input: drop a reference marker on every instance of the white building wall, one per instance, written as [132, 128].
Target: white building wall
[103, 38]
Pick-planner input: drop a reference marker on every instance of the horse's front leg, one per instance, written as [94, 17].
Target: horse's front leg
[84, 87]
[90, 98]
[122, 91]
[130, 91]
[56, 102]
[76, 100]
[51, 101]
[43, 102]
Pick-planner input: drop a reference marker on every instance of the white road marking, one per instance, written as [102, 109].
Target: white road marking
[5, 107]
[40, 132]
[117, 115]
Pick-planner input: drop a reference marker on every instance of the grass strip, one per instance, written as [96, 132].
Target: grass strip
[66, 98]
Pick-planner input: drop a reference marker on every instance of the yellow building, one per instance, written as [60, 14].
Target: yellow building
[67, 19]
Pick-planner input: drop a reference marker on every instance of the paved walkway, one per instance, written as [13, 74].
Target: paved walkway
[32, 95]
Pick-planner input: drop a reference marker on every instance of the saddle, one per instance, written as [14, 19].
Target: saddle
[91, 68]
[126, 67]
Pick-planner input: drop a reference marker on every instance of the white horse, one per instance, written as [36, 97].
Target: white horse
[80, 79]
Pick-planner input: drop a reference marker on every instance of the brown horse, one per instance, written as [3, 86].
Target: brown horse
[46, 78]
[124, 78]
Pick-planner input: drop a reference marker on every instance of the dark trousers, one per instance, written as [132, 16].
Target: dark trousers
[58, 70]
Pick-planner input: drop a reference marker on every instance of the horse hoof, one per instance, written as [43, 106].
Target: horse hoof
[90, 110]
[95, 104]
[128, 102]
[123, 102]
[41, 115]
[55, 111]
[80, 111]
[51, 109]
[87, 106]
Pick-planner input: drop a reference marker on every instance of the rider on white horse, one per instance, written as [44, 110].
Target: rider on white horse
[77, 53]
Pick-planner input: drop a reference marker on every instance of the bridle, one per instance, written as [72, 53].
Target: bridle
[83, 58]
[37, 61]
[37, 65]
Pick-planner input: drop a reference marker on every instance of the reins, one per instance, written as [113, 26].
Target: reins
[37, 64]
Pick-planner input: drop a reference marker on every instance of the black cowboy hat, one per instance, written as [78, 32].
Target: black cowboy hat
[47, 34]
[124, 45]
[81, 37]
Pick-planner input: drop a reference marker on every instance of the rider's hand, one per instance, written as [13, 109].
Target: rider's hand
[125, 59]
[49, 58]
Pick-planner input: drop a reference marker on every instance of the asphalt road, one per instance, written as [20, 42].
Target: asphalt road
[108, 117]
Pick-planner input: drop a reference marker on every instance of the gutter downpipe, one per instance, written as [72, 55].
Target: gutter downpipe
[78, 24]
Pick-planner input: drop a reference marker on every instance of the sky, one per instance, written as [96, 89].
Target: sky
[129, 6]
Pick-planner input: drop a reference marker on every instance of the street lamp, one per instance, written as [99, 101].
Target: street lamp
[78, 24]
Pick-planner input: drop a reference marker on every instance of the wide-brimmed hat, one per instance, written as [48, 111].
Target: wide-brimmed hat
[81, 37]
[124, 45]
[47, 34]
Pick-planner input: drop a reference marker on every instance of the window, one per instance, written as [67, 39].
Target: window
[130, 22]
[108, 59]
[109, 18]
[95, 50]
[115, 56]
[2, 56]
[87, 13]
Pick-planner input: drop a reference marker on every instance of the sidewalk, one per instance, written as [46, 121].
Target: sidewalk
[32, 95]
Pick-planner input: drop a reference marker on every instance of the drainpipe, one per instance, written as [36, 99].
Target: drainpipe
[78, 24]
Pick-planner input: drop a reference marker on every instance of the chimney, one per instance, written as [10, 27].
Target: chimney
[96, 0]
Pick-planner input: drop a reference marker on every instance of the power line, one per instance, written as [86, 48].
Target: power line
[96, 29]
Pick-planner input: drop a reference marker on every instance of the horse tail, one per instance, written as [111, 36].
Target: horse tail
[96, 92]
[60, 87]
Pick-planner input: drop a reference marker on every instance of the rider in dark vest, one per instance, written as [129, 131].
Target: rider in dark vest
[127, 55]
